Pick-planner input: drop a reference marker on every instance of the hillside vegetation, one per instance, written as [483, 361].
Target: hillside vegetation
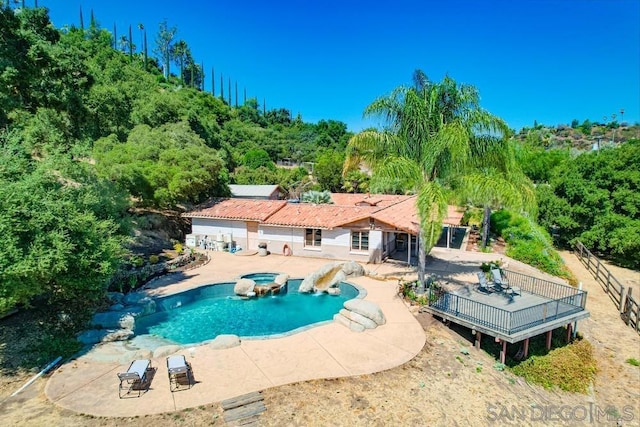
[88, 132]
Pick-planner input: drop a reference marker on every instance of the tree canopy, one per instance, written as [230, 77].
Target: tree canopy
[437, 138]
[596, 198]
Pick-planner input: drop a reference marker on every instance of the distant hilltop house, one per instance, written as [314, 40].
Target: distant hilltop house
[260, 192]
[359, 227]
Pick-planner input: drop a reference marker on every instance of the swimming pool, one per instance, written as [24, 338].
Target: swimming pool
[201, 314]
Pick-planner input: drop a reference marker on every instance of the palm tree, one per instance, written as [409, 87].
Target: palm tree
[436, 134]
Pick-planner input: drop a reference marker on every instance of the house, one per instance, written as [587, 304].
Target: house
[261, 192]
[360, 227]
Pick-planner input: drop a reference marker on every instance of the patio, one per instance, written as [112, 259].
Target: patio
[89, 384]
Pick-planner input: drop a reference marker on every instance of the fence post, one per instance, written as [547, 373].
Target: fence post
[608, 280]
[627, 306]
[623, 299]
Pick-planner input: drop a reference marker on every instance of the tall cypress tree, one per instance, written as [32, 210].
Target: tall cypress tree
[130, 44]
[213, 81]
[264, 107]
[244, 100]
[81, 19]
[115, 37]
[202, 76]
[92, 21]
[236, 94]
[145, 49]
[221, 88]
[229, 94]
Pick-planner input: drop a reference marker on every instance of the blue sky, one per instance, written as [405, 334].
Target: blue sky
[550, 61]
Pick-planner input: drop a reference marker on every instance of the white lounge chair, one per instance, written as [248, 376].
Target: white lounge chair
[483, 285]
[500, 281]
[179, 372]
[135, 378]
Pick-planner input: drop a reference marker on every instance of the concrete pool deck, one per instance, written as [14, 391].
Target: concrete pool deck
[89, 384]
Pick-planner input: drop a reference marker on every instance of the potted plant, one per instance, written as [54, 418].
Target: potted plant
[262, 249]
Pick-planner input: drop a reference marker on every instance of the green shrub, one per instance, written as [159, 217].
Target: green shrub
[570, 368]
[472, 217]
[153, 259]
[51, 346]
[529, 243]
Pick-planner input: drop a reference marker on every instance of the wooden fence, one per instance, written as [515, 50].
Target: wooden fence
[621, 296]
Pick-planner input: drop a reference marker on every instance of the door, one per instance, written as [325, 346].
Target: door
[252, 235]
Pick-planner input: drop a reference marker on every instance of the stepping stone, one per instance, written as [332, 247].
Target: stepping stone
[243, 410]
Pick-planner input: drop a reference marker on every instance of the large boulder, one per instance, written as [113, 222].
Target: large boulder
[353, 269]
[281, 279]
[116, 307]
[133, 298]
[113, 319]
[148, 306]
[166, 350]
[359, 318]
[367, 309]
[244, 286]
[354, 326]
[115, 297]
[95, 336]
[224, 341]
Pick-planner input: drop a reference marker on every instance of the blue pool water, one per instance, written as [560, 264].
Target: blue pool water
[202, 314]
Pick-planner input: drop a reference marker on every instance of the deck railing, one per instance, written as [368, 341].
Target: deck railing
[541, 287]
[563, 301]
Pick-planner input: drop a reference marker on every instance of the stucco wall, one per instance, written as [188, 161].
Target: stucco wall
[213, 227]
[336, 243]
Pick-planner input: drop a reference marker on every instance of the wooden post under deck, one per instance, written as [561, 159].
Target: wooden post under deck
[478, 338]
[569, 331]
[503, 353]
[549, 333]
[526, 348]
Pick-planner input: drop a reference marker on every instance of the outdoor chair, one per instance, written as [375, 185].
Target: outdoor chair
[500, 281]
[483, 284]
[179, 372]
[135, 378]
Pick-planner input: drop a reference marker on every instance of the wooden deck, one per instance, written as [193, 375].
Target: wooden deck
[540, 306]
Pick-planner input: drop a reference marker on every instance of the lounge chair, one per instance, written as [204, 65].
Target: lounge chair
[500, 281]
[135, 378]
[179, 372]
[483, 285]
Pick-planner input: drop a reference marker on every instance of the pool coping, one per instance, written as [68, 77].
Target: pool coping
[88, 384]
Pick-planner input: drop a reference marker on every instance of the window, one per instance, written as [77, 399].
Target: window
[312, 237]
[359, 240]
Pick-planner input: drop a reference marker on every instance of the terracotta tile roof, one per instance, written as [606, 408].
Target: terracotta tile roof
[379, 200]
[454, 215]
[239, 209]
[323, 216]
[399, 212]
[403, 215]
